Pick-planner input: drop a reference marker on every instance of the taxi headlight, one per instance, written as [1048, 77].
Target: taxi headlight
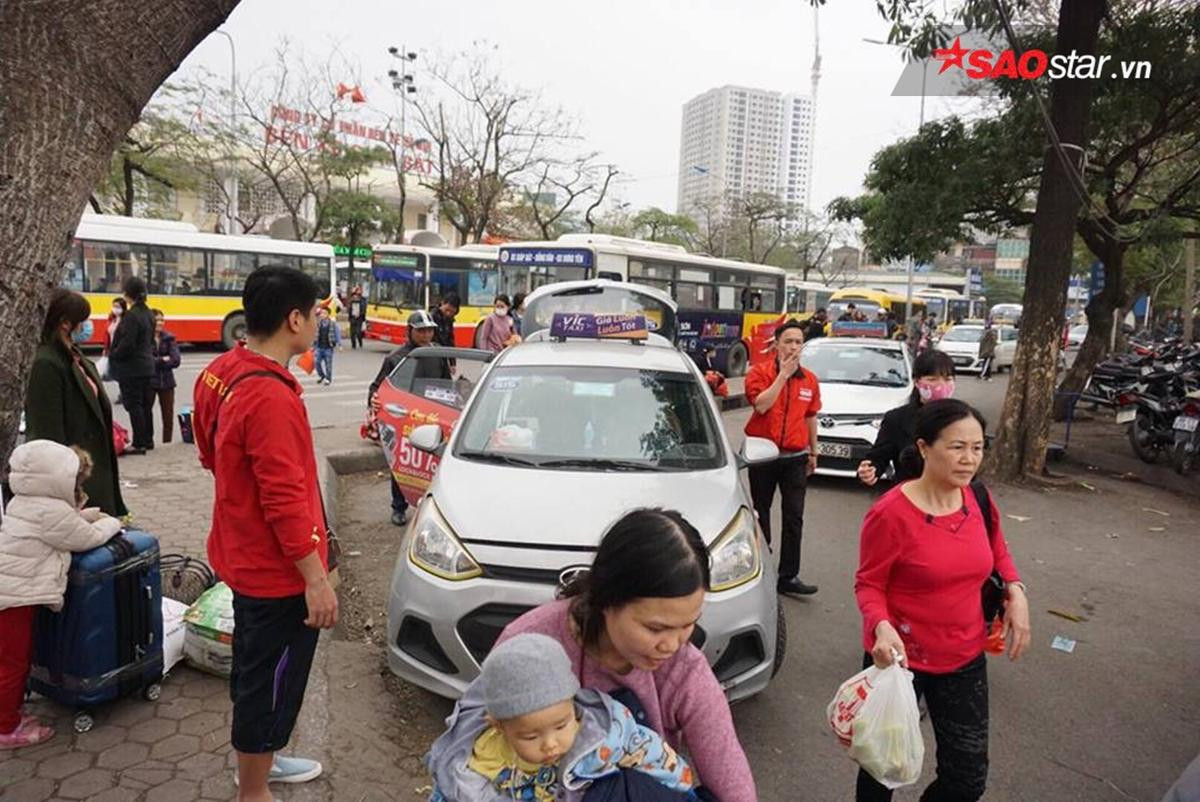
[735, 555]
[435, 549]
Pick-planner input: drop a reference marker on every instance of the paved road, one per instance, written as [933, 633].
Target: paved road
[341, 403]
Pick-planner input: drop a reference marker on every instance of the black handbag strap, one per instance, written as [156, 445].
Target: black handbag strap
[985, 507]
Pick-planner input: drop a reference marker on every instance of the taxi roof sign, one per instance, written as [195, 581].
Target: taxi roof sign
[849, 328]
[593, 326]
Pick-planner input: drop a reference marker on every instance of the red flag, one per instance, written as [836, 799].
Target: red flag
[355, 93]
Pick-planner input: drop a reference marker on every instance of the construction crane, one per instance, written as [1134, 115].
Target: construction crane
[816, 81]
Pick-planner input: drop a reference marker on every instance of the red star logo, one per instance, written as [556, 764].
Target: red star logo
[951, 57]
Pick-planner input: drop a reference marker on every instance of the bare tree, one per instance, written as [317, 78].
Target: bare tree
[74, 77]
[486, 137]
[764, 217]
[560, 185]
[610, 172]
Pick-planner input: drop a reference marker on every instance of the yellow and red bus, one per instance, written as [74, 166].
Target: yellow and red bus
[196, 279]
[730, 305]
[405, 278]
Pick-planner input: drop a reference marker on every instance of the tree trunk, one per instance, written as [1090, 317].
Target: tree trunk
[1100, 325]
[1024, 428]
[74, 78]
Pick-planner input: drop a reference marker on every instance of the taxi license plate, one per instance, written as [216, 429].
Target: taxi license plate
[1186, 423]
[1126, 415]
[836, 450]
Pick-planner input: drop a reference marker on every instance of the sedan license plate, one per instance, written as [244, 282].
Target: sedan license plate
[1186, 423]
[1126, 415]
[835, 450]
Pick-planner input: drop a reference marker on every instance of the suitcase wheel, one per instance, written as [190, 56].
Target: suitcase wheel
[151, 692]
[83, 722]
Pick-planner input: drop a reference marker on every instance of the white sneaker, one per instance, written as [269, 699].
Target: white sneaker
[290, 770]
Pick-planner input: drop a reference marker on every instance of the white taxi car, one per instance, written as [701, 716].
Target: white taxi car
[962, 344]
[562, 436]
[861, 379]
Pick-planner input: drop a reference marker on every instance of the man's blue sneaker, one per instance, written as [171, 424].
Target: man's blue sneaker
[293, 770]
[290, 770]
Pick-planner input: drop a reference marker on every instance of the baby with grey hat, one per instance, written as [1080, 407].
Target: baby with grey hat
[525, 730]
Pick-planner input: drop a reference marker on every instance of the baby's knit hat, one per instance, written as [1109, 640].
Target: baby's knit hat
[525, 674]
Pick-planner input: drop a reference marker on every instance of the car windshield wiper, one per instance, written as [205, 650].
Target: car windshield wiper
[876, 383]
[598, 463]
[492, 456]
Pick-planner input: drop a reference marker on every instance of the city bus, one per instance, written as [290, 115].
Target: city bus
[806, 297]
[1006, 313]
[405, 278]
[729, 305]
[195, 278]
[869, 301]
[947, 306]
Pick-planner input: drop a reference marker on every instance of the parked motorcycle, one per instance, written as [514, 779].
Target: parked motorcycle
[1185, 450]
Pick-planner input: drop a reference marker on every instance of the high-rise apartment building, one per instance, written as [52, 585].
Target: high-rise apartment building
[737, 141]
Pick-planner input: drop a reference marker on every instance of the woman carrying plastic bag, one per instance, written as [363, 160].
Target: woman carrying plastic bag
[875, 716]
[926, 554]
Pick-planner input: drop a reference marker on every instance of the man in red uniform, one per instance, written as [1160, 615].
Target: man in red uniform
[786, 399]
[268, 539]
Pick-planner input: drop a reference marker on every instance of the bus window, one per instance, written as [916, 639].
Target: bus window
[769, 301]
[443, 281]
[729, 298]
[107, 265]
[318, 269]
[397, 286]
[73, 269]
[694, 296]
[483, 287]
[243, 265]
[177, 271]
[651, 275]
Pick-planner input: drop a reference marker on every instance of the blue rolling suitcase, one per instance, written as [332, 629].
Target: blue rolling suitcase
[106, 642]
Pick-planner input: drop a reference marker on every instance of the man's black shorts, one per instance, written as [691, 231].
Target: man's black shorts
[272, 654]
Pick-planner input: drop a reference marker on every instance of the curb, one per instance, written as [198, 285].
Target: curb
[339, 463]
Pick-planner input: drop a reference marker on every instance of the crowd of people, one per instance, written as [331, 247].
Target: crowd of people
[600, 692]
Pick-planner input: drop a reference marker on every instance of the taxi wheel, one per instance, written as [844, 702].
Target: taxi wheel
[781, 640]
[735, 362]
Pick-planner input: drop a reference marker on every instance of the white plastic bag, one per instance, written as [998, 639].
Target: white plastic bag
[102, 367]
[875, 715]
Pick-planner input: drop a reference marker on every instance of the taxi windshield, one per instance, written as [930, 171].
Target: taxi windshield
[589, 418]
[874, 366]
[962, 334]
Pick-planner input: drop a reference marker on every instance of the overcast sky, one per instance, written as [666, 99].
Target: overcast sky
[624, 68]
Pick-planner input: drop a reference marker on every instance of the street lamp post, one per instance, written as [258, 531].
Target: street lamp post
[231, 191]
[402, 82]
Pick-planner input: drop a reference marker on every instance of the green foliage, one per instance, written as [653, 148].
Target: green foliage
[658, 226]
[350, 217]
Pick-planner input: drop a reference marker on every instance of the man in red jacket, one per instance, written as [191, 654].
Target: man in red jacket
[268, 538]
[786, 399]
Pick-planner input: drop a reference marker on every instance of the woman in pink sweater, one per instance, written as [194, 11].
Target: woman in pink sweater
[925, 554]
[626, 626]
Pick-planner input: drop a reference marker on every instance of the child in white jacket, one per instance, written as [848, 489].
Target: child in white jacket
[45, 521]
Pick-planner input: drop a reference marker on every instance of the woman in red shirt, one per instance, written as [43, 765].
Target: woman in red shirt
[925, 554]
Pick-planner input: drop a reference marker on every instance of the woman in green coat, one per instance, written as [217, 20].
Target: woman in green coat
[66, 402]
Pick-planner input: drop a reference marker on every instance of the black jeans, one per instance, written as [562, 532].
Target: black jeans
[958, 709]
[399, 502]
[356, 333]
[790, 475]
[138, 399]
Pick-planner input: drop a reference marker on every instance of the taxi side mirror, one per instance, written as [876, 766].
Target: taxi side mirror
[428, 438]
[757, 450]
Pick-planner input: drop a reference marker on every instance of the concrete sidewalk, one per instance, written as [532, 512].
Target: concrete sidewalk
[177, 748]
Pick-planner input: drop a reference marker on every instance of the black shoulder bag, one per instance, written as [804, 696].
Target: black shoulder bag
[332, 544]
[993, 593]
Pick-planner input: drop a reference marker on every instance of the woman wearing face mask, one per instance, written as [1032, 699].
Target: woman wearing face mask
[498, 331]
[924, 555]
[626, 627]
[65, 401]
[119, 307]
[934, 372]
